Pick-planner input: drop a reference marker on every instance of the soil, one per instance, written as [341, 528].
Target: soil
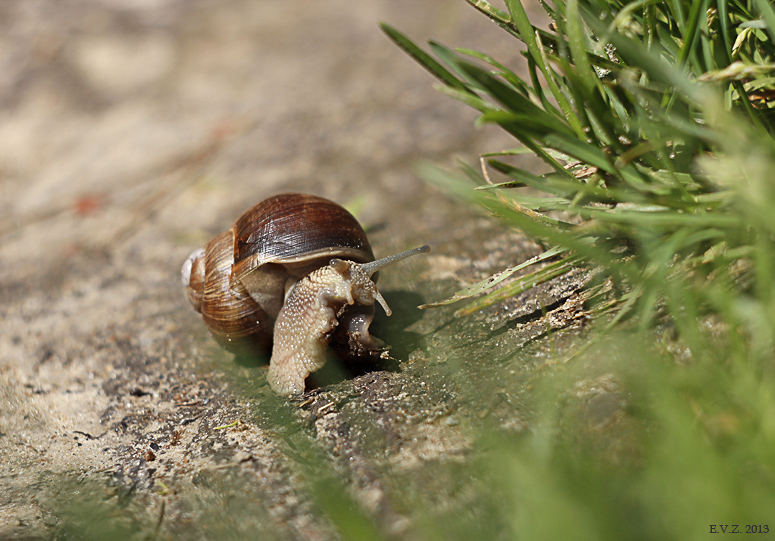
[135, 131]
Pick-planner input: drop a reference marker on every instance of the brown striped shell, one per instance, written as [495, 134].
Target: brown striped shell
[239, 280]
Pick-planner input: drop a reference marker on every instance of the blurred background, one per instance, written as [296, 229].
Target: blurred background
[123, 116]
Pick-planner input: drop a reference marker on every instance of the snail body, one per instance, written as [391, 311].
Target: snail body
[289, 271]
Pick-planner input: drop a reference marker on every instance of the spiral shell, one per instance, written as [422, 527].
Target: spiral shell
[239, 281]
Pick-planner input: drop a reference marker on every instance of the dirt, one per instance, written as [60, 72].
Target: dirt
[135, 131]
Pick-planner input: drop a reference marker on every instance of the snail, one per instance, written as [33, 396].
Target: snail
[291, 273]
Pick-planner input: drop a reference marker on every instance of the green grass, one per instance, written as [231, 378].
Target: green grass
[654, 121]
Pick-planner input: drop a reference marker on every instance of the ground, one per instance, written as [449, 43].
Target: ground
[135, 131]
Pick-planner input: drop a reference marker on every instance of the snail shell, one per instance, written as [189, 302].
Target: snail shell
[239, 280]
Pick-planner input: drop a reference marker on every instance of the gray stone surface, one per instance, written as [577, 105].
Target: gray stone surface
[134, 131]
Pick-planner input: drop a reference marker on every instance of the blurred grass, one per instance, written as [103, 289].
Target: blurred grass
[654, 120]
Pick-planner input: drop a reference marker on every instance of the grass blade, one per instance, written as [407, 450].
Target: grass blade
[423, 58]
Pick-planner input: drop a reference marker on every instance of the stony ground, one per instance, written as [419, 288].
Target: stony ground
[134, 131]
